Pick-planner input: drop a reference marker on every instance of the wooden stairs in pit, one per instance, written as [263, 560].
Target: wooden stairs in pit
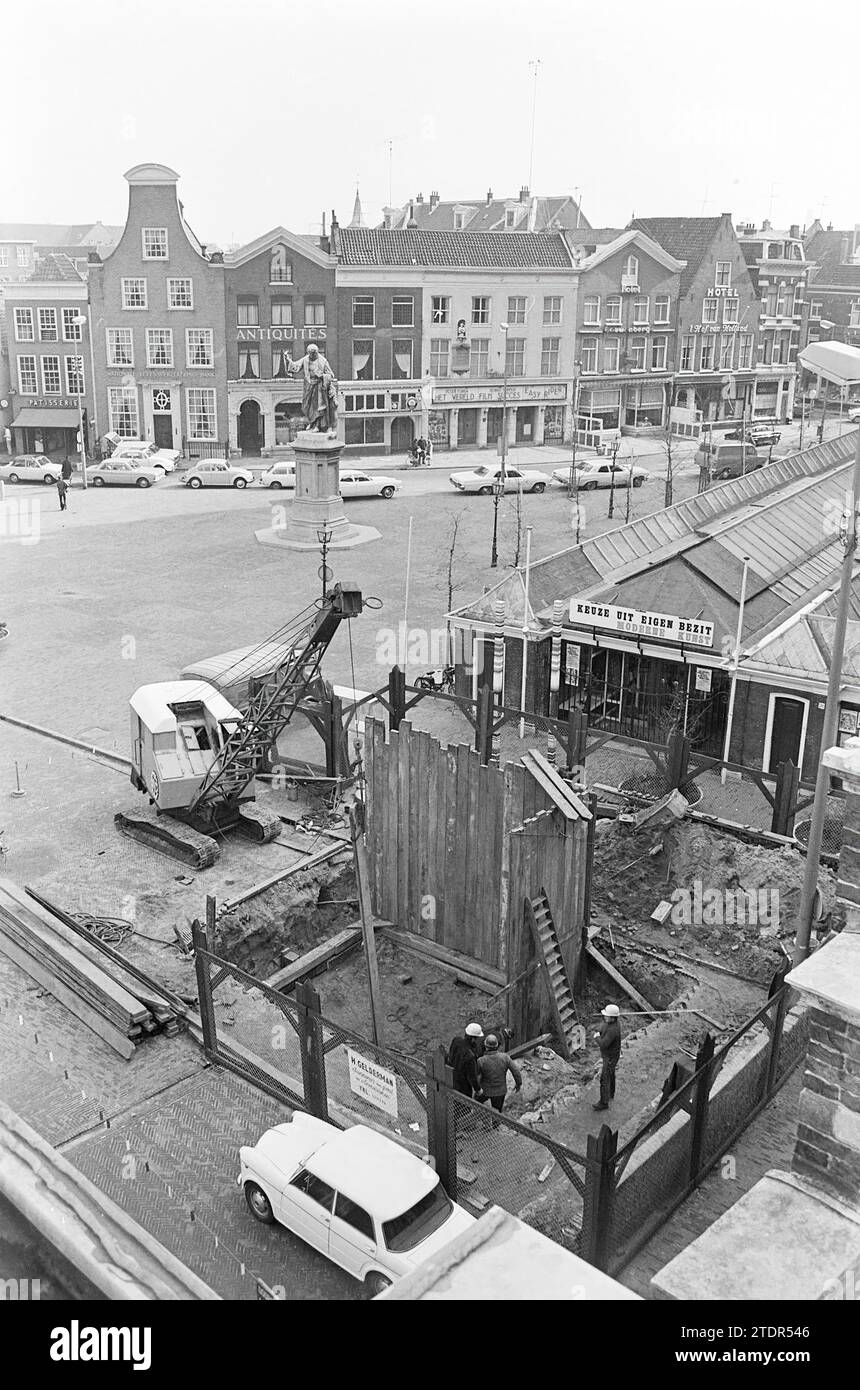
[539, 917]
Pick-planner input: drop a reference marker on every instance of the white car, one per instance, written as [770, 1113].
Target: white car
[355, 483]
[114, 472]
[854, 415]
[483, 480]
[218, 473]
[30, 468]
[147, 452]
[598, 474]
[279, 475]
[361, 1199]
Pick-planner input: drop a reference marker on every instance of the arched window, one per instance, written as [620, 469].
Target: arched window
[632, 267]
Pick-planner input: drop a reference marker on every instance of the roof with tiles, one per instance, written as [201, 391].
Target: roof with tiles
[689, 557]
[490, 214]
[55, 266]
[469, 250]
[56, 234]
[686, 238]
[825, 249]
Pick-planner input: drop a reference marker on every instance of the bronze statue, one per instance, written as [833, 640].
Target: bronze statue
[319, 393]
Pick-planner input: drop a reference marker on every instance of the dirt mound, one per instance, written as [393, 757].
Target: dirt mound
[731, 901]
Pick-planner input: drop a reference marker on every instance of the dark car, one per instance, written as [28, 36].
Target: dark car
[759, 435]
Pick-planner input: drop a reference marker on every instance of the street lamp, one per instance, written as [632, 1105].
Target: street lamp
[499, 485]
[79, 321]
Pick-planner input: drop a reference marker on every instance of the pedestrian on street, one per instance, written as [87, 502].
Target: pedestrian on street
[62, 489]
[67, 470]
[609, 1039]
[462, 1058]
[493, 1070]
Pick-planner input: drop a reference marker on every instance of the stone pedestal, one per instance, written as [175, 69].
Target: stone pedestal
[317, 504]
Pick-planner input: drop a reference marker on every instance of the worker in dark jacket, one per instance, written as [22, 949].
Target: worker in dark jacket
[462, 1058]
[493, 1070]
[609, 1039]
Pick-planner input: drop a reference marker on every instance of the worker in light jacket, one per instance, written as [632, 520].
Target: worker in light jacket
[609, 1040]
[493, 1070]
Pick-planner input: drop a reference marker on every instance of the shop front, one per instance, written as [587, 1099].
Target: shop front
[385, 419]
[47, 429]
[470, 417]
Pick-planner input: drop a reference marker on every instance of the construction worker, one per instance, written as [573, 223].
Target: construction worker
[462, 1058]
[609, 1040]
[493, 1070]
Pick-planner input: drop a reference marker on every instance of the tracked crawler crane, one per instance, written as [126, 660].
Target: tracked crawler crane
[197, 757]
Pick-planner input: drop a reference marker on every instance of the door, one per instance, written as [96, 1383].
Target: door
[162, 419]
[352, 1242]
[250, 428]
[494, 427]
[402, 434]
[786, 731]
[467, 432]
[525, 424]
[306, 1206]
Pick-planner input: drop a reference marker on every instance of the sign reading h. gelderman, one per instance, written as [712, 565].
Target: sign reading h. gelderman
[640, 623]
[372, 1082]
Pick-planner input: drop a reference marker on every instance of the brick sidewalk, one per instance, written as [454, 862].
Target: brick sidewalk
[765, 1144]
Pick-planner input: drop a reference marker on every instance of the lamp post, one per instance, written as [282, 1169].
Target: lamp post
[499, 485]
[80, 322]
[324, 537]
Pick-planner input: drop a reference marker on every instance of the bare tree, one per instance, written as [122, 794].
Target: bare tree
[518, 506]
[668, 441]
[455, 518]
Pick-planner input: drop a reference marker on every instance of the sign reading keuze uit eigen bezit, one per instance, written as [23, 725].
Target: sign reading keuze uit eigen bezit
[669, 627]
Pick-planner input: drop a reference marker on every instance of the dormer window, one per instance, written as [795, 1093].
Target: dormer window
[459, 221]
[510, 217]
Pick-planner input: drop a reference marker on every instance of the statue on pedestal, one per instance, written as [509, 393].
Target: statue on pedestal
[319, 394]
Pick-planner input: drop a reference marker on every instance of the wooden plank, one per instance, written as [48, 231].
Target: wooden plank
[440, 890]
[562, 788]
[462, 937]
[315, 959]
[292, 819]
[511, 816]
[455, 960]
[490, 784]
[430, 885]
[404, 848]
[618, 979]
[307, 863]
[416, 795]
[392, 829]
[475, 917]
[452, 906]
[89, 1016]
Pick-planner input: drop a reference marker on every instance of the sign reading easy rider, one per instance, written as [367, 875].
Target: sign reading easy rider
[668, 626]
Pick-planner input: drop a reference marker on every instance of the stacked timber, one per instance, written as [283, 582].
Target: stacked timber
[46, 950]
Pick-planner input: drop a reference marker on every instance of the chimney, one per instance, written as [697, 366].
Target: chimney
[524, 193]
[765, 226]
[434, 198]
[334, 223]
[420, 198]
[843, 249]
[794, 230]
[489, 196]
[203, 248]
[830, 226]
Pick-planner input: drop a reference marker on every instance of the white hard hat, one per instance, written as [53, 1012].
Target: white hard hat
[611, 1011]
[474, 1030]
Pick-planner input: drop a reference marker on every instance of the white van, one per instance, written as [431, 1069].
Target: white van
[282, 474]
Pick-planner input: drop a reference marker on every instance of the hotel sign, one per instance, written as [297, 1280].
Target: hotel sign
[722, 292]
[458, 395]
[640, 623]
[278, 335]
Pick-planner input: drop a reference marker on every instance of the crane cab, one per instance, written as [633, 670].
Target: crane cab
[178, 730]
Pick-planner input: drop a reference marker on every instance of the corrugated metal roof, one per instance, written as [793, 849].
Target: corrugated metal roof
[470, 250]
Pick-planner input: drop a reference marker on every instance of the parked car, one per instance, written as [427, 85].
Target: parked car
[358, 1197]
[854, 415]
[147, 452]
[483, 479]
[354, 483]
[218, 473]
[279, 475]
[729, 460]
[756, 434]
[114, 472]
[594, 474]
[30, 468]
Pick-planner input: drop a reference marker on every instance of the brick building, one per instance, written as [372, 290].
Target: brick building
[627, 309]
[49, 357]
[834, 284]
[425, 310]
[649, 615]
[779, 271]
[279, 298]
[158, 325]
[718, 376]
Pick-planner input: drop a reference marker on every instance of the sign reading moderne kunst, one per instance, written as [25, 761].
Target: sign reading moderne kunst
[640, 623]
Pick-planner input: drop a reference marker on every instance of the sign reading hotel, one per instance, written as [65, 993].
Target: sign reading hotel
[639, 623]
[372, 1083]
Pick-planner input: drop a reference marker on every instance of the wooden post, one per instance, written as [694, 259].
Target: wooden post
[577, 733]
[484, 724]
[579, 981]
[677, 759]
[336, 753]
[441, 1126]
[499, 613]
[313, 1055]
[204, 990]
[362, 879]
[599, 1196]
[777, 984]
[554, 676]
[211, 912]
[396, 698]
[701, 1100]
[785, 798]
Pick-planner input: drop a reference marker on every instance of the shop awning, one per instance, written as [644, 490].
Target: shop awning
[46, 420]
[838, 363]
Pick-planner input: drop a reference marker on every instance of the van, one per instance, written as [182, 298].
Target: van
[729, 460]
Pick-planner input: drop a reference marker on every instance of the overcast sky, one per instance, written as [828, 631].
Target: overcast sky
[270, 110]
